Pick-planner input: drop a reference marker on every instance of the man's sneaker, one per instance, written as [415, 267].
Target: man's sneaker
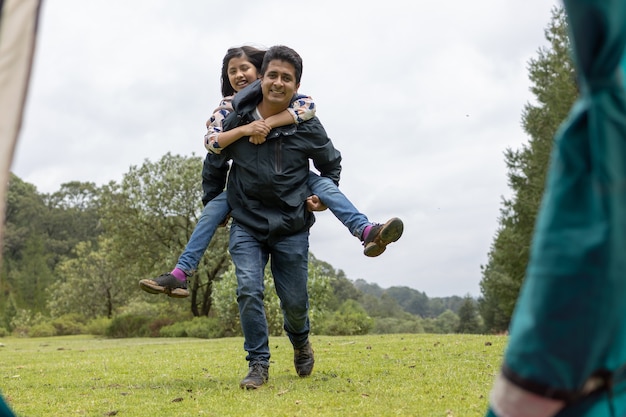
[380, 235]
[165, 284]
[303, 360]
[258, 374]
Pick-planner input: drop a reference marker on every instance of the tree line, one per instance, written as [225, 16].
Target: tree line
[72, 260]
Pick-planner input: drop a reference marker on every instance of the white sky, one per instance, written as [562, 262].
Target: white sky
[421, 97]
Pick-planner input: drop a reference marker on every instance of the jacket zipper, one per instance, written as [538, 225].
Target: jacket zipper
[278, 166]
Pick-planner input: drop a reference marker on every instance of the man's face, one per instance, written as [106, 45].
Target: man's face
[279, 83]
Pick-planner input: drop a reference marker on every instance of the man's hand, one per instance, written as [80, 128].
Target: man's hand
[224, 222]
[313, 203]
[258, 131]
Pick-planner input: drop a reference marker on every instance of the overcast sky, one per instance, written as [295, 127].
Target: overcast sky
[421, 97]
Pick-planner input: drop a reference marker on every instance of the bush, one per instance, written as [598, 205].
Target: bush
[144, 308]
[393, 325]
[69, 324]
[42, 330]
[156, 325]
[3, 332]
[24, 320]
[205, 328]
[200, 327]
[129, 325]
[20, 331]
[174, 330]
[98, 326]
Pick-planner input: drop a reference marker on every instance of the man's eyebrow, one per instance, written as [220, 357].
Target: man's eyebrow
[276, 72]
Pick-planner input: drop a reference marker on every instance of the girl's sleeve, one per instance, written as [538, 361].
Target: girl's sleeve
[214, 125]
[302, 108]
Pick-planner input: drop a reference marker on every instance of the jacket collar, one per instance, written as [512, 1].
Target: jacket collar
[247, 99]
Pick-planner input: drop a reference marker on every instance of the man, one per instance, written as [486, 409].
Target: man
[267, 191]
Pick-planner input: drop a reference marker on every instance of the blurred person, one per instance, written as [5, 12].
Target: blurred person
[567, 341]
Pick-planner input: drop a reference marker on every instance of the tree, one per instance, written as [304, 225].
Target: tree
[413, 301]
[320, 290]
[71, 217]
[350, 319]
[446, 322]
[469, 320]
[553, 84]
[436, 307]
[26, 269]
[385, 306]
[367, 288]
[33, 276]
[149, 218]
[342, 288]
[90, 283]
[40, 231]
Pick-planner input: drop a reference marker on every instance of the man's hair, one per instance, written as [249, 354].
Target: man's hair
[252, 54]
[283, 53]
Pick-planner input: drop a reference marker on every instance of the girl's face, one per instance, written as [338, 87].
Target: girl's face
[241, 72]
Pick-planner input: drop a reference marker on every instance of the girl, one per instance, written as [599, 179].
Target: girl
[241, 66]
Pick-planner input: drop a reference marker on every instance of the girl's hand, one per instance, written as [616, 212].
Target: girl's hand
[313, 203]
[257, 139]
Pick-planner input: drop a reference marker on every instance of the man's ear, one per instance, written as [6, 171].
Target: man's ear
[297, 87]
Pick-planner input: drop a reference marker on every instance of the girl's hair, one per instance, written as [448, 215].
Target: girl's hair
[283, 53]
[252, 54]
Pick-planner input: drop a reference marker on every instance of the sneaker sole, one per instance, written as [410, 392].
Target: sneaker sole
[250, 386]
[391, 232]
[150, 286]
[304, 373]
[178, 293]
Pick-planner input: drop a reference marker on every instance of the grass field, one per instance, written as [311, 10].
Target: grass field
[376, 375]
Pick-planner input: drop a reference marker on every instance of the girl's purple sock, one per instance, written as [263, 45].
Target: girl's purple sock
[179, 274]
[366, 232]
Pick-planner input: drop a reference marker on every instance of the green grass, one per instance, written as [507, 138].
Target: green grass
[375, 375]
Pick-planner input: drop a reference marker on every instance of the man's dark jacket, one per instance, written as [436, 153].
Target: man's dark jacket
[267, 184]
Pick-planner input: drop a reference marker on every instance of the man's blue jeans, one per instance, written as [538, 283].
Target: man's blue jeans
[213, 214]
[289, 265]
[338, 203]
